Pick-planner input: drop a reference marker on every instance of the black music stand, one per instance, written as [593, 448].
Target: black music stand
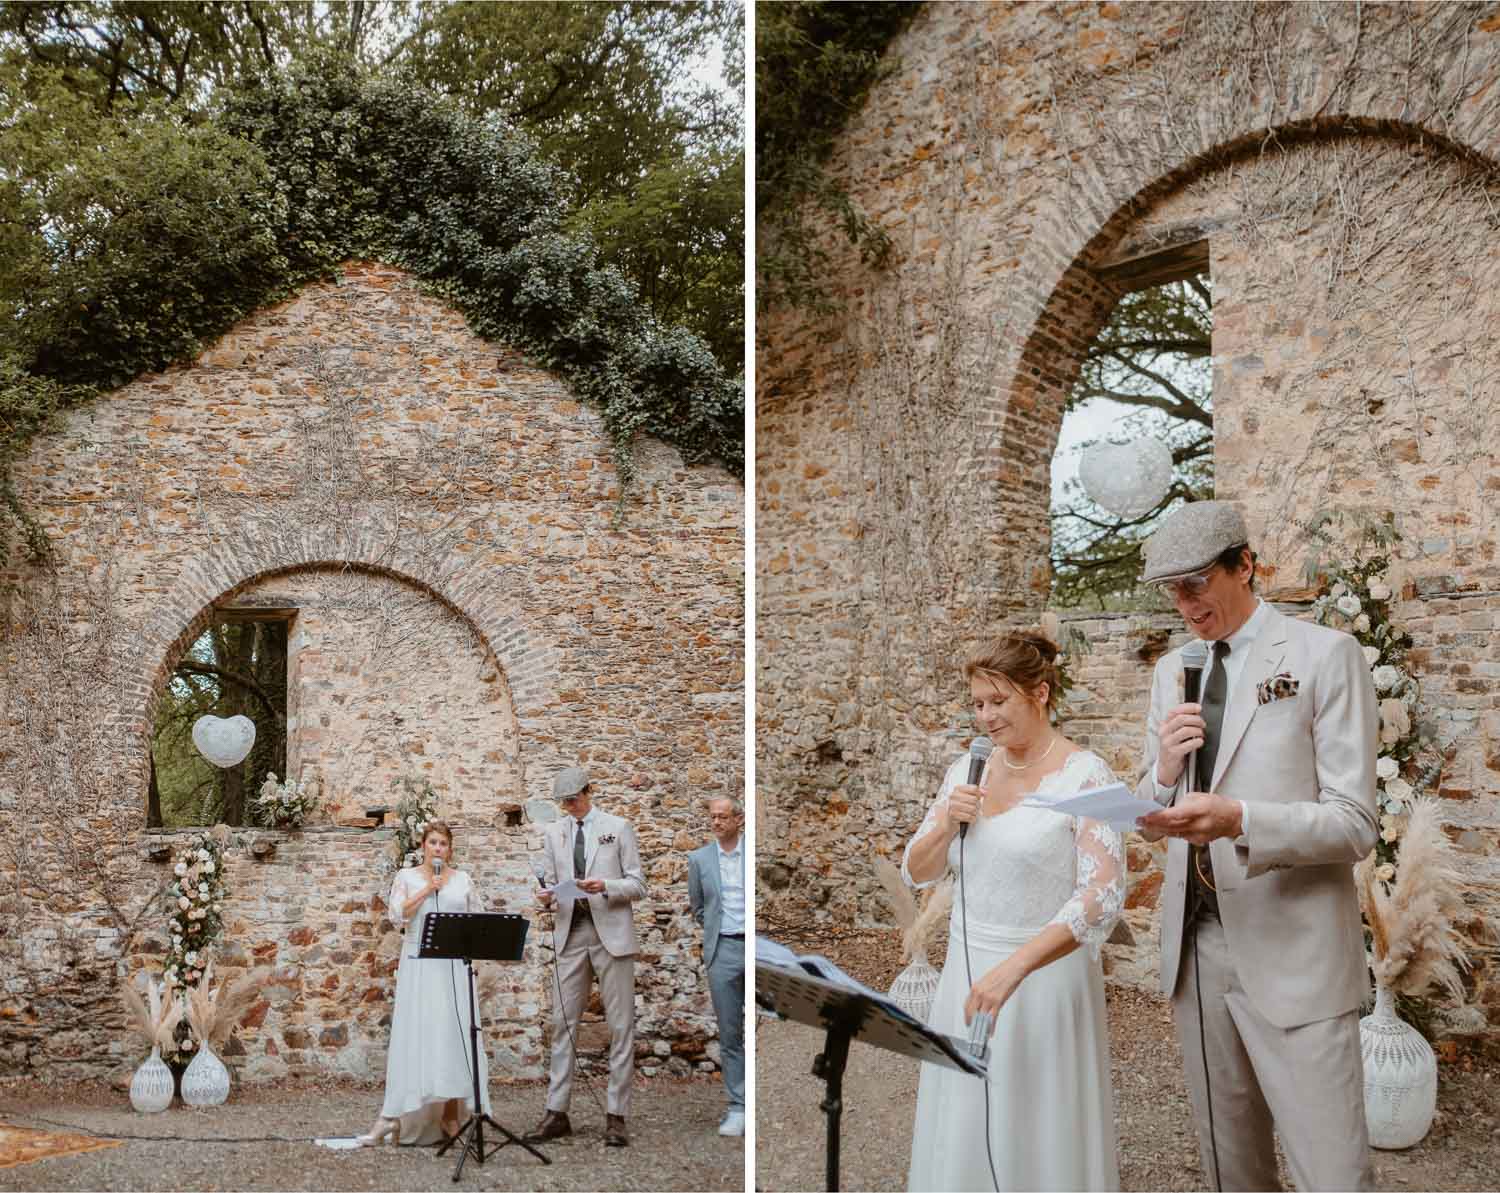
[848, 1015]
[469, 937]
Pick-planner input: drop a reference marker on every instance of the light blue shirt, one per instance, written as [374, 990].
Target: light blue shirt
[732, 889]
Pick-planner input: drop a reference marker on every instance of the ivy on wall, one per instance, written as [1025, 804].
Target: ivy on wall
[166, 236]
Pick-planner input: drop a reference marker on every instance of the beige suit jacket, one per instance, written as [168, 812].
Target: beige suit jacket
[1305, 765]
[610, 853]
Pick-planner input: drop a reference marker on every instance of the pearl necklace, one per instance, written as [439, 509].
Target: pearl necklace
[1009, 765]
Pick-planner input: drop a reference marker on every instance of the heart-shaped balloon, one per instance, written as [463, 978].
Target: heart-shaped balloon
[224, 742]
[1127, 479]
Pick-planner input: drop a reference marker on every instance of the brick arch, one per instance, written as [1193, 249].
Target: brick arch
[519, 651]
[1073, 305]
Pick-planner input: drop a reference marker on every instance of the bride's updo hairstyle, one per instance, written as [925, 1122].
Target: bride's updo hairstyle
[1026, 658]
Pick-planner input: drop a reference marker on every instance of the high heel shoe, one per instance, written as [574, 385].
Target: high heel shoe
[382, 1128]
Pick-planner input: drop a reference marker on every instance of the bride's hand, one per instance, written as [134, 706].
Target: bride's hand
[962, 807]
[992, 991]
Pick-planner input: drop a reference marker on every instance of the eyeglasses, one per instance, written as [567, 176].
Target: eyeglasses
[1189, 586]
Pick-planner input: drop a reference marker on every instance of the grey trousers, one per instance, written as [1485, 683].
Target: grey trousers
[581, 958]
[726, 986]
[1307, 1081]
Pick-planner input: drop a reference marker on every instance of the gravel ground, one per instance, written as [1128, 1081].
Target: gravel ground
[262, 1139]
[1461, 1152]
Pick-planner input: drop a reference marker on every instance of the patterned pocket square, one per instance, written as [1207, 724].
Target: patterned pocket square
[1278, 687]
[609, 840]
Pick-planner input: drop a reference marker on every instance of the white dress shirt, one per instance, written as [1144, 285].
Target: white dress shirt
[1239, 651]
[732, 888]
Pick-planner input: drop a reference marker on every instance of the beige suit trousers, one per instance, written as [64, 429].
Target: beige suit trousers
[581, 958]
[1307, 1081]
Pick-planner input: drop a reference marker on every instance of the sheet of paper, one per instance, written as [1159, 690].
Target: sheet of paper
[568, 889]
[1115, 804]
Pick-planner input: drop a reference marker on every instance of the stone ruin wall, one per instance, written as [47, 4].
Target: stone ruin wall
[1027, 160]
[439, 517]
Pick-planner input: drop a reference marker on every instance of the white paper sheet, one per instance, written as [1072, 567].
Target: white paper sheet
[567, 889]
[1116, 805]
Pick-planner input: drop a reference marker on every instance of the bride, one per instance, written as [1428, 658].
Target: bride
[1037, 894]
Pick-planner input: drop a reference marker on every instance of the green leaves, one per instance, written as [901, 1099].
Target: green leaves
[136, 240]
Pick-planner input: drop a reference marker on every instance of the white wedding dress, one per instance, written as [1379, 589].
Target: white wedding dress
[429, 1059]
[1050, 1107]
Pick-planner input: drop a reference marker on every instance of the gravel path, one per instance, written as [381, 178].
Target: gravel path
[262, 1139]
[1461, 1152]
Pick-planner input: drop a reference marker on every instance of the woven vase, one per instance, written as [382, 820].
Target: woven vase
[206, 1082]
[1400, 1076]
[152, 1087]
[914, 989]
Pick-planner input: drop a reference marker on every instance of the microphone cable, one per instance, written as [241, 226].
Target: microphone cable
[562, 1010]
[963, 902]
[1208, 1093]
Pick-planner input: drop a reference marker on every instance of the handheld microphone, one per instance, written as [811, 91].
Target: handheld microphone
[1194, 659]
[980, 750]
[437, 867]
[539, 872]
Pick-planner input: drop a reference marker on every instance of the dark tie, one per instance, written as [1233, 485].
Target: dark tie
[1215, 692]
[578, 851]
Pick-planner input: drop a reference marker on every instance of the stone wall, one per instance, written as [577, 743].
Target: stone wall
[472, 601]
[1027, 160]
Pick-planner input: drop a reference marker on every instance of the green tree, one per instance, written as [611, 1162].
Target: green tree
[600, 86]
[1153, 359]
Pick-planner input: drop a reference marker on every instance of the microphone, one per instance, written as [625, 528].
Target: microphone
[1194, 659]
[980, 750]
[437, 867]
[539, 872]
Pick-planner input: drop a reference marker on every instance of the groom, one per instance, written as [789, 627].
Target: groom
[1262, 951]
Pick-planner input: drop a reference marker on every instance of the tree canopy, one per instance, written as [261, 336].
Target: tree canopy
[1152, 358]
[170, 168]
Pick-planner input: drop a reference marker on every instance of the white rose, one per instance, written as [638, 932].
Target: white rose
[192, 958]
[218, 907]
[1372, 656]
[180, 869]
[1348, 605]
[1399, 789]
[208, 867]
[1386, 768]
[1338, 590]
[183, 903]
[1385, 871]
[1379, 592]
[1386, 677]
[1362, 624]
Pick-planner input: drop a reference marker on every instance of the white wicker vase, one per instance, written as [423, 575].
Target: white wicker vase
[1400, 1076]
[152, 1087]
[914, 989]
[206, 1082]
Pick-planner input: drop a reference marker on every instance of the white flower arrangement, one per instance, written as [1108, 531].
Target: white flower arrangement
[1386, 677]
[415, 809]
[285, 804]
[195, 897]
[1386, 768]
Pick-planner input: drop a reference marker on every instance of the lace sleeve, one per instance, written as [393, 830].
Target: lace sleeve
[398, 898]
[930, 822]
[1099, 888]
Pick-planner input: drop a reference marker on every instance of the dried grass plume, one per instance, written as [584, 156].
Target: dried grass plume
[155, 1023]
[1415, 942]
[215, 1013]
[917, 920]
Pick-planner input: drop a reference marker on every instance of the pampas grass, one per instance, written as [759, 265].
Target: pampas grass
[1412, 921]
[156, 1024]
[215, 1013]
[917, 920]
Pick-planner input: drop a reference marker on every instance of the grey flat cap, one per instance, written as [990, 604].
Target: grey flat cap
[569, 782]
[1190, 538]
